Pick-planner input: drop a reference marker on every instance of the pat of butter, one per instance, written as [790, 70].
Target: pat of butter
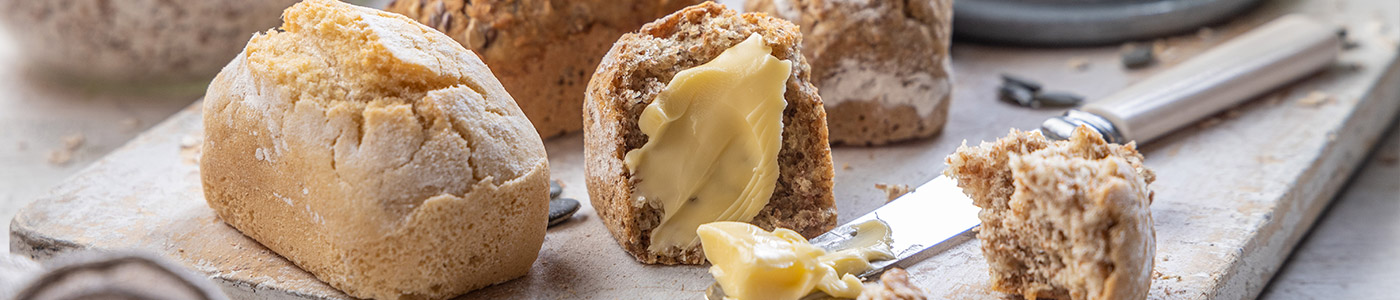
[713, 137]
[751, 263]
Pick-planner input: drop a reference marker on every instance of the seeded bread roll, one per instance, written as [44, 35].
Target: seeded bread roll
[882, 66]
[1062, 219]
[542, 50]
[375, 153]
[638, 68]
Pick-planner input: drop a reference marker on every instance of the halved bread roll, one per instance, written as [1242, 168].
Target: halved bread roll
[375, 153]
[638, 71]
[1061, 219]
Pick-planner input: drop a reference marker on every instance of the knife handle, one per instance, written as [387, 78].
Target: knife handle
[1276, 53]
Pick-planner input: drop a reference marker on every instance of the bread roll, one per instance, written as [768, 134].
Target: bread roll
[882, 66]
[1061, 219]
[377, 154]
[633, 75]
[542, 50]
[144, 40]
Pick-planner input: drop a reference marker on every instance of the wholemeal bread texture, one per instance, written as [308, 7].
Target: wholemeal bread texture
[882, 66]
[1061, 219]
[542, 50]
[638, 68]
[375, 153]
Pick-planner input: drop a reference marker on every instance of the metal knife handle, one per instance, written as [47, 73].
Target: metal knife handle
[1276, 53]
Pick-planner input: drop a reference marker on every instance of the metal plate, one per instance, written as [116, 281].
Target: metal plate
[1085, 22]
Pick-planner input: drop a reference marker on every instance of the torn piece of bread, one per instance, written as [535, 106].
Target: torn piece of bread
[1061, 219]
[375, 153]
[894, 285]
[635, 73]
[542, 50]
[882, 67]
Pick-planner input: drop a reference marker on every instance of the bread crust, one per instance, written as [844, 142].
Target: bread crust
[1063, 219]
[640, 65]
[882, 66]
[376, 154]
[543, 51]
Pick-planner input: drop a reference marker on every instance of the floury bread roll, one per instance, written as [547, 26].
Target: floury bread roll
[542, 50]
[705, 115]
[377, 154]
[882, 66]
[137, 43]
[1061, 219]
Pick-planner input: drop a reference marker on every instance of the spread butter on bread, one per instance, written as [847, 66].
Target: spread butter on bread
[653, 207]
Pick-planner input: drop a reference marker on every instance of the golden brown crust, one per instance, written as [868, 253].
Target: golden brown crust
[543, 51]
[640, 65]
[1063, 219]
[882, 66]
[376, 154]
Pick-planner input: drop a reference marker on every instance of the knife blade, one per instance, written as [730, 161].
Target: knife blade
[1266, 57]
[930, 214]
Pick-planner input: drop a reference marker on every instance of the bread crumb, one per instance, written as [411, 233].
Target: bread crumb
[1389, 41]
[60, 157]
[1315, 99]
[188, 141]
[1077, 64]
[1376, 26]
[73, 141]
[130, 124]
[1267, 159]
[1205, 33]
[845, 166]
[894, 285]
[1208, 123]
[1163, 49]
[1161, 276]
[893, 191]
[1389, 160]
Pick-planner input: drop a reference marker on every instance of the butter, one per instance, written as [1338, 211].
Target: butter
[751, 263]
[713, 137]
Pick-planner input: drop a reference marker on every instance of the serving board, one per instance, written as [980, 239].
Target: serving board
[1234, 193]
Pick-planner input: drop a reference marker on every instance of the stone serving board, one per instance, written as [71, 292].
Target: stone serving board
[1234, 193]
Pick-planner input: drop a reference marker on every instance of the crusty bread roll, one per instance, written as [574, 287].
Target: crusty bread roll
[123, 41]
[882, 66]
[377, 154]
[542, 50]
[634, 73]
[1061, 219]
